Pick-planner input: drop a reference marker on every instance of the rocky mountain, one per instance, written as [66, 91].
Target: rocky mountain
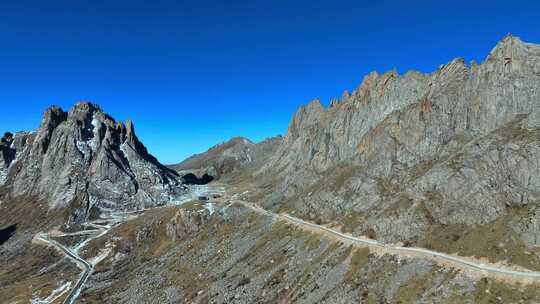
[226, 159]
[406, 156]
[84, 161]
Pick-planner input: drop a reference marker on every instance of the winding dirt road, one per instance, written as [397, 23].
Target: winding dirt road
[470, 266]
[82, 263]
[100, 227]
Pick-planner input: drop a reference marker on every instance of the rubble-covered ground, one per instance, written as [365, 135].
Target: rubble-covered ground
[185, 255]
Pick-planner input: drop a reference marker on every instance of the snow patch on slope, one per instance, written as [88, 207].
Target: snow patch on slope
[56, 293]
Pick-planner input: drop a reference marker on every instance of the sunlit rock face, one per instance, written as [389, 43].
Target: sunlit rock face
[84, 160]
[459, 145]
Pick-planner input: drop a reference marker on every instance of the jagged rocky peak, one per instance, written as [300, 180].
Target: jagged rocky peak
[307, 116]
[84, 160]
[511, 47]
[53, 116]
[391, 122]
[130, 131]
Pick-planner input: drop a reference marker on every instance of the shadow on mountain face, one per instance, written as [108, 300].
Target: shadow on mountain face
[7, 233]
[192, 179]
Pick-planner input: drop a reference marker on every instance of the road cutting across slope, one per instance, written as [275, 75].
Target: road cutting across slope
[469, 265]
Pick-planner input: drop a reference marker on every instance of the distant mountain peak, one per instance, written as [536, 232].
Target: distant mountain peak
[226, 159]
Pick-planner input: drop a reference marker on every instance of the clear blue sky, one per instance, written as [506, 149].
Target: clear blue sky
[194, 73]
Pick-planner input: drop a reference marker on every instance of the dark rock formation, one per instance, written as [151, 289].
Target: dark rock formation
[192, 179]
[7, 233]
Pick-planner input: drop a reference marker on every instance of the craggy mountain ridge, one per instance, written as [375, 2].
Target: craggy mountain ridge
[406, 156]
[83, 161]
[419, 113]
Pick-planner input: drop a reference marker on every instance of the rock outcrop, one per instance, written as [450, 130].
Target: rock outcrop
[186, 222]
[84, 161]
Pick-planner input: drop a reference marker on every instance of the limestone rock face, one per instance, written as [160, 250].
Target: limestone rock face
[459, 145]
[84, 160]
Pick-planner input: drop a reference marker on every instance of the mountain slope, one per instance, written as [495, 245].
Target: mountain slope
[226, 159]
